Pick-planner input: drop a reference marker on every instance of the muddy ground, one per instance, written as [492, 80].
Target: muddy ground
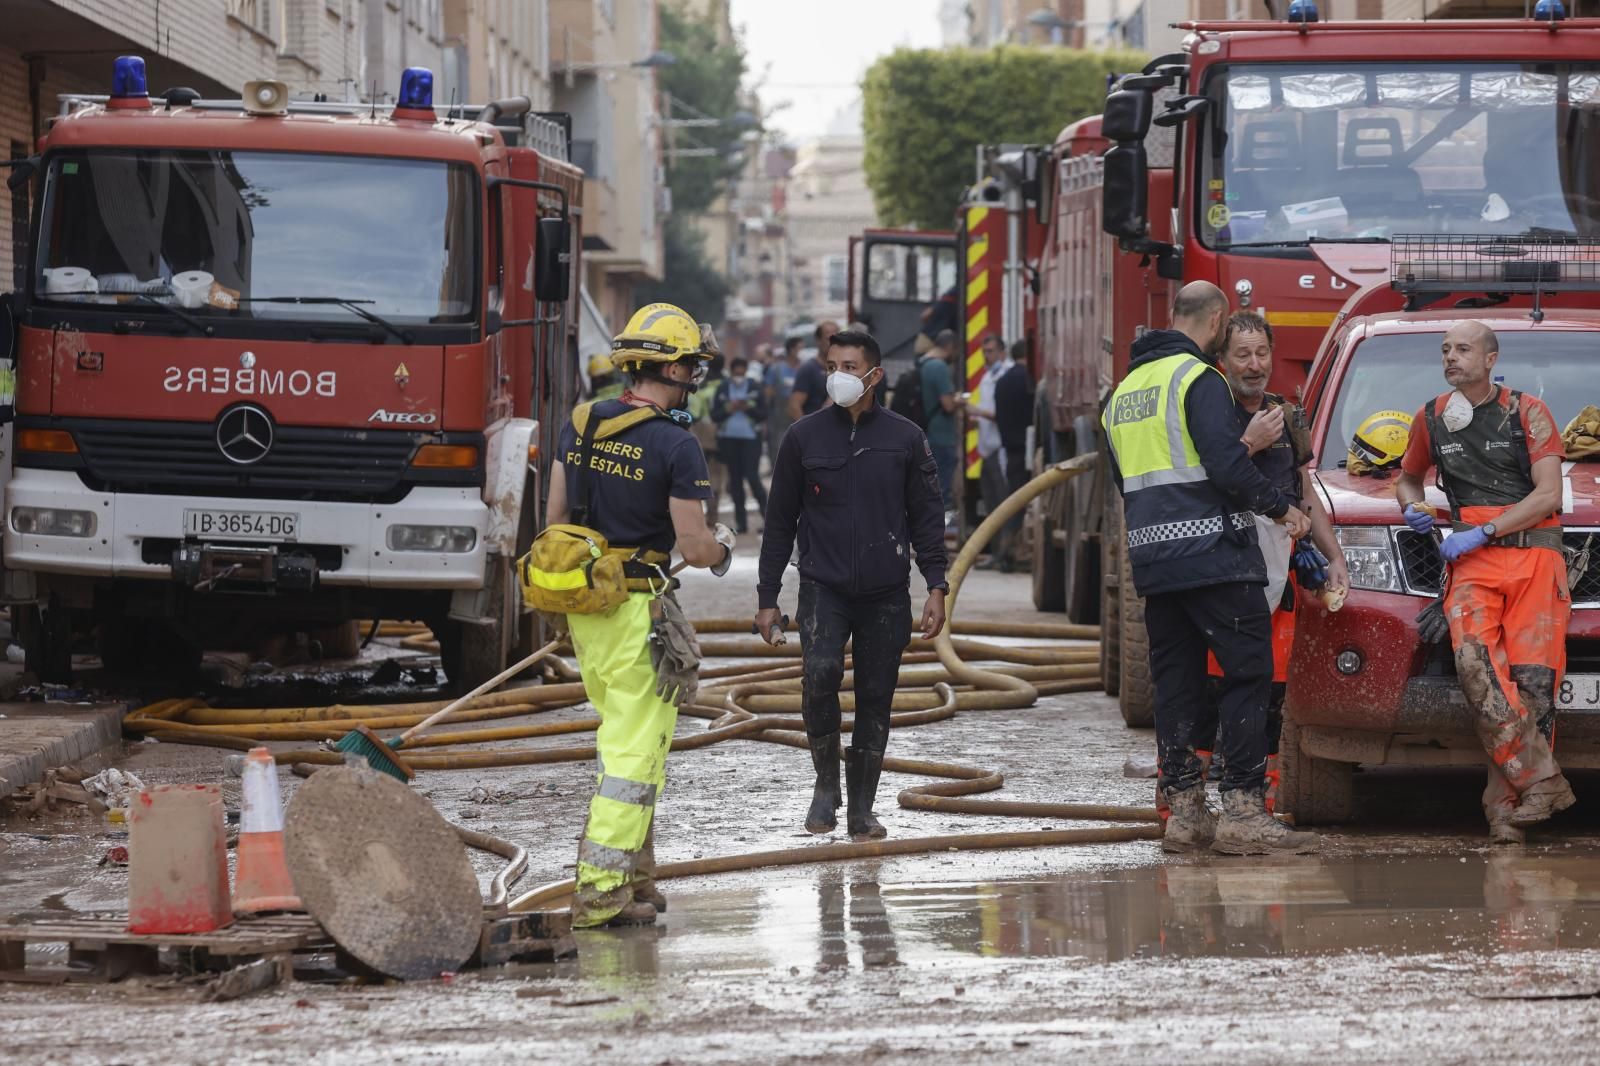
[1406, 939]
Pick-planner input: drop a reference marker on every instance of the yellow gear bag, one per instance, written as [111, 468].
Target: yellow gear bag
[571, 569]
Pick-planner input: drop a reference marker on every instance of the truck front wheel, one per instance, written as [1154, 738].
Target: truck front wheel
[1311, 790]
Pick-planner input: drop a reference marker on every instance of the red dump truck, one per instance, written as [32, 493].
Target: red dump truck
[282, 365]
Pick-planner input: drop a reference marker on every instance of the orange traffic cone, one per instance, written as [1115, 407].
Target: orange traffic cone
[261, 882]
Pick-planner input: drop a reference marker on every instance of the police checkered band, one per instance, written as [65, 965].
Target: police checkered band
[1192, 527]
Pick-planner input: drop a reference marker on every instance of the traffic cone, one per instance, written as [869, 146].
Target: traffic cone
[261, 881]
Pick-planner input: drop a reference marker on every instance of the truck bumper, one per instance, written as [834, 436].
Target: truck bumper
[135, 535]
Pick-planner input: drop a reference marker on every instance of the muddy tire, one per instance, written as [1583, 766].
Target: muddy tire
[1080, 565]
[1049, 561]
[1110, 606]
[1136, 694]
[1312, 791]
[473, 652]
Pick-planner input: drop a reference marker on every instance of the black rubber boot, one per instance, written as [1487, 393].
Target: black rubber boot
[861, 770]
[825, 796]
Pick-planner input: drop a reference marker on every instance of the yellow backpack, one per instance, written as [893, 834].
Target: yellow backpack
[571, 569]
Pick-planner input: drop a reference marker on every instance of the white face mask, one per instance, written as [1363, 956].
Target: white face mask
[845, 389]
[1457, 414]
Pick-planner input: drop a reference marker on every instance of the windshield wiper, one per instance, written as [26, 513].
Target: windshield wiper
[1306, 242]
[174, 310]
[353, 306]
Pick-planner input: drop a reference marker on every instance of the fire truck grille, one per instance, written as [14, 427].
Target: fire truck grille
[179, 458]
[1424, 570]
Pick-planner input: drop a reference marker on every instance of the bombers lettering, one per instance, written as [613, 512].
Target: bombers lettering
[601, 464]
[251, 381]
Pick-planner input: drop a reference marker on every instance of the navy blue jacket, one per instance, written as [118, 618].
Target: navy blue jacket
[861, 495]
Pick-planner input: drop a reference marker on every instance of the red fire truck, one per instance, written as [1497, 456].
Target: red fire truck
[1273, 158]
[282, 365]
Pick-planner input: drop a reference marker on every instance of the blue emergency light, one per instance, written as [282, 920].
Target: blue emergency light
[1303, 11]
[127, 78]
[1549, 11]
[416, 89]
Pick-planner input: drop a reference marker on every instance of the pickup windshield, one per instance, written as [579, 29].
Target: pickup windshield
[220, 233]
[1401, 372]
[1300, 152]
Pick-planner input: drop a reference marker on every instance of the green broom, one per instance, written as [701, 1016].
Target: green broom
[383, 755]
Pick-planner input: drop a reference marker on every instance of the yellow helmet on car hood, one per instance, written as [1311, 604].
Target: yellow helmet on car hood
[1379, 442]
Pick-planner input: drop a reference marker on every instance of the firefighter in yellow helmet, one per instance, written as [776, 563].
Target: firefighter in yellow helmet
[628, 485]
[604, 382]
[1378, 443]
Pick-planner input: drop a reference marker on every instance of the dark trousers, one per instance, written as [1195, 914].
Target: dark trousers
[1233, 622]
[743, 460]
[881, 628]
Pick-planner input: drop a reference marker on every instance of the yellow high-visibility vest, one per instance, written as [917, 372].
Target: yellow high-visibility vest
[1146, 428]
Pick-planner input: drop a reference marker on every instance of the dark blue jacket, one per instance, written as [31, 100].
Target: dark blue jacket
[861, 496]
[1233, 486]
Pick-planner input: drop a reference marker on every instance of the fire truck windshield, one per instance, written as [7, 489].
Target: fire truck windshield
[218, 234]
[1403, 371]
[1302, 152]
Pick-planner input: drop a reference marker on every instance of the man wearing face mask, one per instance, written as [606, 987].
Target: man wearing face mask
[859, 486]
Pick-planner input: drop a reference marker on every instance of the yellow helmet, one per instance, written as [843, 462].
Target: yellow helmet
[658, 334]
[1379, 442]
[600, 365]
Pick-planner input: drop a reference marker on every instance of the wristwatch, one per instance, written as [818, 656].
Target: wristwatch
[1489, 530]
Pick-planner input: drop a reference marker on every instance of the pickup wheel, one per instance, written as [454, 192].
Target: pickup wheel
[1137, 692]
[46, 639]
[1312, 791]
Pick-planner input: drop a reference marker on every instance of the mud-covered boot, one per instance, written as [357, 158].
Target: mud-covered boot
[644, 874]
[1542, 799]
[1192, 824]
[825, 798]
[1504, 834]
[1247, 829]
[861, 770]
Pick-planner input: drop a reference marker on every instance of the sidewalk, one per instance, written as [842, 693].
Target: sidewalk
[35, 737]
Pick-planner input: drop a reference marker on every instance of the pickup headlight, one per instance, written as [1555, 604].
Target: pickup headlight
[1369, 553]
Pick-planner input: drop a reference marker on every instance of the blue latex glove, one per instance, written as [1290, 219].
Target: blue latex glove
[1419, 521]
[1310, 565]
[1458, 544]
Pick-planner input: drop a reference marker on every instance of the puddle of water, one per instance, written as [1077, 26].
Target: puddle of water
[1395, 905]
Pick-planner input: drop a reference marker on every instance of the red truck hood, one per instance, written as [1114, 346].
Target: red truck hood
[94, 375]
[1353, 500]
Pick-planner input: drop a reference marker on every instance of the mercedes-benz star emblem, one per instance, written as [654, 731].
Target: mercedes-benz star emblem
[244, 435]
[247, 359]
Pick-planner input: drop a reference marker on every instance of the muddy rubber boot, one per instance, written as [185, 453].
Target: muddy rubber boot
[1504, 834]
[1191, 825]
[1542, 799]
[1247, 829]
[635, 913]
[644, 874]
[861, 770]
[825, 798]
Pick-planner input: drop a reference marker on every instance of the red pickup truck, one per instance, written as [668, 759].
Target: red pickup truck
[1363, 688]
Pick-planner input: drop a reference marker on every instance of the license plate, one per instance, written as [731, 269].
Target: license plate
[1579, 692]
[242, 525]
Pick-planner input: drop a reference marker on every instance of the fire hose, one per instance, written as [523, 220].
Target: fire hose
[935, 683]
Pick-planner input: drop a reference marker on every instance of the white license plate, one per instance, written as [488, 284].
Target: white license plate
[242, 525]
[1579, 692]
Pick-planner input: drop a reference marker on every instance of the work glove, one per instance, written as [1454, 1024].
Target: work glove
[1458, 544]
[674, 652]
[1419, 521]
[723, 536]
[1310, 565]
[1432, 626]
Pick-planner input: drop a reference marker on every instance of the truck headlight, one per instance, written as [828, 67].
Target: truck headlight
[1369, 554]
[453, 540]
[53, 522]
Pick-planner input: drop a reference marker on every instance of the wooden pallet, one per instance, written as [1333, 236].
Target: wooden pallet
[99, 948]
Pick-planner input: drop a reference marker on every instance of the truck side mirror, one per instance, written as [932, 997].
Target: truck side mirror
[1125, 194]
[1182, 110]
[1126, 116]
[552, 260]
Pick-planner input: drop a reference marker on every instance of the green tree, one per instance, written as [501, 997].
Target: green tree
[924, 112]
[691, 281]
[702, 82]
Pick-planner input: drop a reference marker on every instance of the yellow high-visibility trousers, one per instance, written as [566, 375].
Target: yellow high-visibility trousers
[635, 734]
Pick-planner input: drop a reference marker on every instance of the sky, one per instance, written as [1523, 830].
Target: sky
[811, 54]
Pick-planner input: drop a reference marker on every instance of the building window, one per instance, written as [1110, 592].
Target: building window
[836, 277]
[257, 14]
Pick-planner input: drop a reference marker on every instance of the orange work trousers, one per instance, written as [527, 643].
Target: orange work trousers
[1508, 611]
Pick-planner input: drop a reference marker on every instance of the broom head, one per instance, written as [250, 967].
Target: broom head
[379, 755]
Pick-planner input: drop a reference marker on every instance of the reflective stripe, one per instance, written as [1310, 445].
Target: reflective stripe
[603, 858]
[561, 581]
[1186, 476]
[622, 790]
[1177, 431]
[1186, 529]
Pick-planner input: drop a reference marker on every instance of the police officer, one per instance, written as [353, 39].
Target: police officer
[1190, 494]
[1499, 460]
[860, 485]
[643, 491]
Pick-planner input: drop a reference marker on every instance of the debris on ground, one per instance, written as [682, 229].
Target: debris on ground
[1140, 765]
[63, 784]
[115, 788]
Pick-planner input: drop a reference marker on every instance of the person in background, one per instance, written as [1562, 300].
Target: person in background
[992, 474]
[810, 390]
[777, 385]
[939, 403]
[738, 411]
[1013, 414]
[604, 381]
[943, 314]
[704, 429]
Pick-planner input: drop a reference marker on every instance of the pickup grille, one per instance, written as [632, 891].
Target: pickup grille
[1424, 570]
[182, 458]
